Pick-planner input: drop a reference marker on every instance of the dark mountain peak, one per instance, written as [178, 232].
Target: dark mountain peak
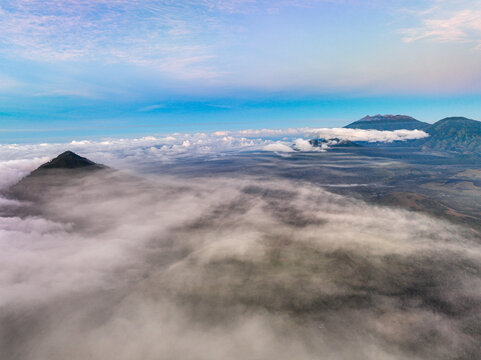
[380, 117]
[388, 122]
[457, 118]
[456, 121]
[68, 160]
[54, 174]
[452, 125]
[456, 134]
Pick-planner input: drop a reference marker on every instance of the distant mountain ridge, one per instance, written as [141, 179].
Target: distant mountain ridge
[454, 134]
[457, 135]
[388, 122]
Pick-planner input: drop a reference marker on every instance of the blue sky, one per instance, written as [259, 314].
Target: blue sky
[78, 68]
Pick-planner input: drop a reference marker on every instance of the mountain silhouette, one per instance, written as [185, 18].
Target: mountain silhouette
[65, 168]
[388, 122]
[68, 160]
[454, 134]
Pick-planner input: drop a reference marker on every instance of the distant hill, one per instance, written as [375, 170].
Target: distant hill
[66, 167]
[454, 134]
[388, 122]
[68, 160]
[457, 135]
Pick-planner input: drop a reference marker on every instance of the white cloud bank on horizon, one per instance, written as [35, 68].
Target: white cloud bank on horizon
[125, 152]
[331, 133]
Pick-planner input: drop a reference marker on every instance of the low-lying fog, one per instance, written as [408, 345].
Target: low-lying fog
[114, 266]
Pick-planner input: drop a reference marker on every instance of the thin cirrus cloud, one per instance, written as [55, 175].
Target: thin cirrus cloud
[447, 23]
[146, 49]
[151, 108]
[148, 34]
[173, 38]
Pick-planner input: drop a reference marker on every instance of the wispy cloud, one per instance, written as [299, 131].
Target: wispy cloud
[177, 39]
[225, 46]
[7, 83]
[447, 23]
[162, 35]
[151, 108]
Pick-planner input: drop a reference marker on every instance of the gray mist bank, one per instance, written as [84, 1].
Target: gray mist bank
[108, 266]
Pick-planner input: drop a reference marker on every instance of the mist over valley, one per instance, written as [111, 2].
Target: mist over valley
[237, 251]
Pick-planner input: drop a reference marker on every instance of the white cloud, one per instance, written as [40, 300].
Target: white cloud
[150, 34]
[369, 135]
[178, 40]
[278, 147]
[305, 145]
[138, 151]
[330, 133]
[12, 171]
[151, 107]
[448, 22]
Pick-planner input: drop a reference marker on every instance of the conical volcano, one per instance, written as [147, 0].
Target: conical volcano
[65, 168]
[68, 160]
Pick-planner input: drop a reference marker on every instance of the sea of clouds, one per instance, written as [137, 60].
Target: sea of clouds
[111, 265]
[178, 145]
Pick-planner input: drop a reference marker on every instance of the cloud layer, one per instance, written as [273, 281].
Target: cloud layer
[134, 152]
[115, 266]
[151, 51]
